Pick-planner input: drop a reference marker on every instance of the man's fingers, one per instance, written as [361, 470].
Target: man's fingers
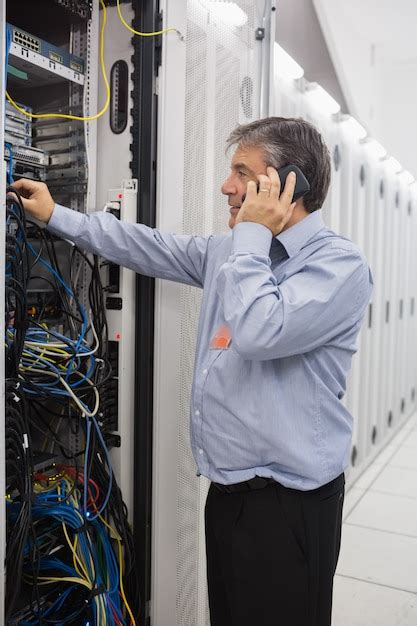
[251, 189]
[264, 183]
[288, 192]
[275, 182]
[25, 186]
[14, 197]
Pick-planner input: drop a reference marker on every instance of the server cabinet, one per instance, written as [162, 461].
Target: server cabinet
[371, 201]
[66, 126]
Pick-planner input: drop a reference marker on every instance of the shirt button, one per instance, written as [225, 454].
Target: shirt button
[197, 412]
[205, 371]
[201, 451]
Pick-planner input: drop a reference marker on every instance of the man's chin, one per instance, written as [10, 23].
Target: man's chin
[232, 221]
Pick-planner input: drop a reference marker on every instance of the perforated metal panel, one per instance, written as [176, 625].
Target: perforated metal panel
[220, 93]
[209, 82]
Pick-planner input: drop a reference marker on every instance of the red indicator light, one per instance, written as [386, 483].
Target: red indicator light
[120, 196]
[118, 336]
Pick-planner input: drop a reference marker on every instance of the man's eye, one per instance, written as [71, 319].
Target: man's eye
[242, 174]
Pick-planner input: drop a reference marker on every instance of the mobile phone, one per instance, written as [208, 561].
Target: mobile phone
[302, 186]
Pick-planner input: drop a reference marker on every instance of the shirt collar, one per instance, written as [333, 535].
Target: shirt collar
[296, 236]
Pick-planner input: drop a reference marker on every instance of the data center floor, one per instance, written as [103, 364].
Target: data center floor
[376, 579]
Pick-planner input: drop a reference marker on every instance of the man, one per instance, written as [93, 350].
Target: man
[283, 301]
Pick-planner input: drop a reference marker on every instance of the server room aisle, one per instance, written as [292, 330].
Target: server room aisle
[376, 579]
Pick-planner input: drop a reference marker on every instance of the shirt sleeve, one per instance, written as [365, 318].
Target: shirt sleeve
[180, 258]
[327, 297]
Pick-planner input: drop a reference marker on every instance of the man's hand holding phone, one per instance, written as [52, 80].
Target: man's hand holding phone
[269, 206]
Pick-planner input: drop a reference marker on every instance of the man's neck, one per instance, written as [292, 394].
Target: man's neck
[298, 214]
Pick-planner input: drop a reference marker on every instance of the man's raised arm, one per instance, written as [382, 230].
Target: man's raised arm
[181, 258]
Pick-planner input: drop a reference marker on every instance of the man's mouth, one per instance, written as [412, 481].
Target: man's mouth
[234, 210]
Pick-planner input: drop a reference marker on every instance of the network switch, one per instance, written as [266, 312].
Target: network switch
[41, 62]
[46, 49]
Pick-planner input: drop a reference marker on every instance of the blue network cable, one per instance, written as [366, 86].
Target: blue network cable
[104, 571]
[89, 516]
[9, 148]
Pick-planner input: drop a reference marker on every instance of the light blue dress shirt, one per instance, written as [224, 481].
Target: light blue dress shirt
[269, 404]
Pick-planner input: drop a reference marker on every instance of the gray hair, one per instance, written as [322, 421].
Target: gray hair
[290, 140]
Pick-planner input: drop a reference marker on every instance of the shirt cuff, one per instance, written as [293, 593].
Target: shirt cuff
[65, 222]
[251, 238]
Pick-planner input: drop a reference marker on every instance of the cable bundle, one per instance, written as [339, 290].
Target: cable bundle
[18, 482]
[85, 565]
[68, 538]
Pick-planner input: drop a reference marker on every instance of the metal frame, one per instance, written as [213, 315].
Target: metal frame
[171, 119]
[143, 166]
[121, 328]
[2, 269]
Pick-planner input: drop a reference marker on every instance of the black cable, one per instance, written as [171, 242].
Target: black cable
[22, 529]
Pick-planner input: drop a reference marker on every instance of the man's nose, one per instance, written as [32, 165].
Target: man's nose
[229, 187]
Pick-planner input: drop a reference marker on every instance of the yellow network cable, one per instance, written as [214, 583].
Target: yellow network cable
[76, 559]
[65, 116]
[122, 591]
[137, 32]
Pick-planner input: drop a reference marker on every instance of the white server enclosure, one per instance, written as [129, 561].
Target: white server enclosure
[215, 77]
[372, 201]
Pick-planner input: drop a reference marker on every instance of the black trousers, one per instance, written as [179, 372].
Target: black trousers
[272, 555]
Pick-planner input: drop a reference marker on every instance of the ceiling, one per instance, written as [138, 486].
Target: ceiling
[364, 52]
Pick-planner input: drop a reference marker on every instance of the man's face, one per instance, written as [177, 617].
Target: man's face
[246, 164]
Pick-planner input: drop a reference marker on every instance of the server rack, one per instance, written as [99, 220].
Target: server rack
[88, 154]
[372, 201]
